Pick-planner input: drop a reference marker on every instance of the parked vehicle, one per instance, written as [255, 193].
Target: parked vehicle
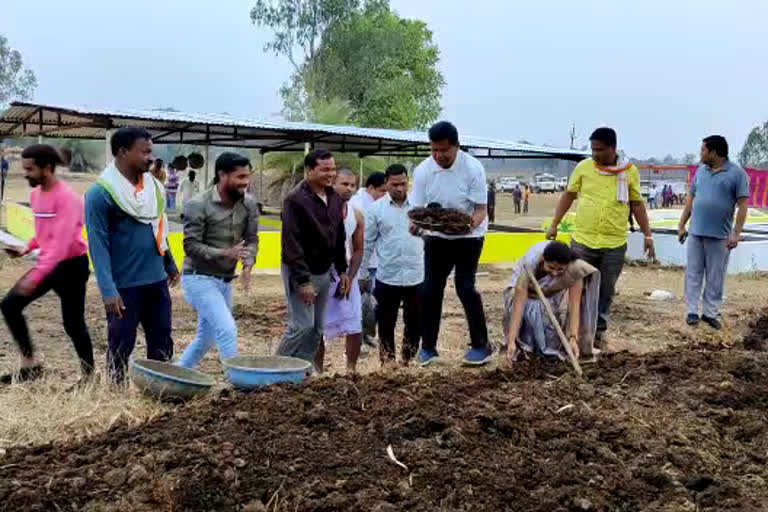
[506, 184]
[562, 184]
[544, 183]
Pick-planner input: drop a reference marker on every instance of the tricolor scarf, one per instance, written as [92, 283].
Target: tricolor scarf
[146, 203]
[622, 179]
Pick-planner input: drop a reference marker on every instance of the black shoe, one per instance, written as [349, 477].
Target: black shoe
[370, 341]
[24, 375]
[599, 340]
[712, 322]
[692, 319]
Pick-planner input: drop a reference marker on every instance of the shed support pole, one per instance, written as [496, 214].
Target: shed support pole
[261, 178]
[206, 178]
[107, 147]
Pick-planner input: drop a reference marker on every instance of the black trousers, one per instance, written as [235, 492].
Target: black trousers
[68, 280]
[441, 256]
[150, 306]
[389, 298]
[610, 263]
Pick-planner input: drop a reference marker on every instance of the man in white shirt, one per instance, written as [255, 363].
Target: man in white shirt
[401, 267]
[374, 190]
[453, 179]
[189, 187]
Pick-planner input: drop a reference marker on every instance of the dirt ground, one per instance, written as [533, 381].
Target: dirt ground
[673, 418]
[680, 430]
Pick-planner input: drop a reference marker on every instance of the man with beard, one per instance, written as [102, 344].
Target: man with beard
[221, 227]
[128, 240]
[62, 265]
[344, 314]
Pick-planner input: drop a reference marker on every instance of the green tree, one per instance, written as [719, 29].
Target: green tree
[331, 111]
[755, 150]
[385, 66]
[16, 81]
[358, 52]
[300, 24]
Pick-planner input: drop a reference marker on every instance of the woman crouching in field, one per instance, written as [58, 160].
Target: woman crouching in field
[570, 285]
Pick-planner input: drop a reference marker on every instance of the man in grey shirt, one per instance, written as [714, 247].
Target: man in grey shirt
[718, 186]
[221, 227]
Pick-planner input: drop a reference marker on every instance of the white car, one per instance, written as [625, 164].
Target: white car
[545, 185]
[562, 184]
[506, 185]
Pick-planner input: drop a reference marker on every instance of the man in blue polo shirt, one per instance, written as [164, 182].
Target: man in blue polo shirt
[718, 186]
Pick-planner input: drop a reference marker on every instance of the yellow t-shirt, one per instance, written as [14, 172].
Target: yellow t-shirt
[601, 220]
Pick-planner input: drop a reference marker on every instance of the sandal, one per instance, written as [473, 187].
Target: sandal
[23, 375]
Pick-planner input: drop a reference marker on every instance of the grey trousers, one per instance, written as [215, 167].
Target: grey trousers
[304, 329]
[610, 263]
[707, 262]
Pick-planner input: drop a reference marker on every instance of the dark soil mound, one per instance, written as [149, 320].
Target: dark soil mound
[757, 338]
[444, 220]
[675, 431]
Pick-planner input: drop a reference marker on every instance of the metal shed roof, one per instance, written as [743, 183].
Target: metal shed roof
[24, 119]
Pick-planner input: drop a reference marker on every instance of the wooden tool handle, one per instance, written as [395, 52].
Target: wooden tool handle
[553, 319]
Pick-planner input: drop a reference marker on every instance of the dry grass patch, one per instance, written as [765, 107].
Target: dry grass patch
[45, 411]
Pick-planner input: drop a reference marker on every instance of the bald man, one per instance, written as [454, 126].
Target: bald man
[343, 316]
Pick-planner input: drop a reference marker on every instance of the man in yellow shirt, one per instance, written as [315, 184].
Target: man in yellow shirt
[607, 189]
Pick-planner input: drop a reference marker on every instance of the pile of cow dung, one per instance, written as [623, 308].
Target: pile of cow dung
[683, 430]
[444, 220]
[757, 338]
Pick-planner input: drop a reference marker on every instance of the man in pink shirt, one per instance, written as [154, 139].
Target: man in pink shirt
[62, 264]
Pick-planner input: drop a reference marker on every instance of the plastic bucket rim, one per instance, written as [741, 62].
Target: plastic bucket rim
[138, 367]
[306, 365]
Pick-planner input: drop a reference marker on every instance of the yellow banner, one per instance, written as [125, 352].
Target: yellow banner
[498, 247]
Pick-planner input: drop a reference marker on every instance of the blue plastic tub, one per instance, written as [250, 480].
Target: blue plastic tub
[166, 380]
[251, 372]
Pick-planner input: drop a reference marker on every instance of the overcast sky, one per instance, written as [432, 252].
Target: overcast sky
[664, 73]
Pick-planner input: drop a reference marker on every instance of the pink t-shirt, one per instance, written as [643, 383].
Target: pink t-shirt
[58, 228]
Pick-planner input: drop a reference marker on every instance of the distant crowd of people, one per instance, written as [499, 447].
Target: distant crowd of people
[521, 197]
[179, 176]
[667, 195]
[341, 245]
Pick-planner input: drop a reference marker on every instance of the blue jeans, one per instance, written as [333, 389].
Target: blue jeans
[170, 200]
[212, 298]
[707, 262]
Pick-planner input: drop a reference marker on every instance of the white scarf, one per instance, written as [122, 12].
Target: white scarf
[622, 178]
[146, 205]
